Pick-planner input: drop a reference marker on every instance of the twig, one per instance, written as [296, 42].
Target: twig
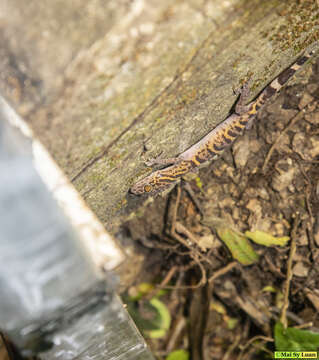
[223, 271]
[174, 216]
[195, 254]
[256, 348]
[190, 247]
[304, 326]
[192, 195]
[168, 276]
[298, 320]
[152, 244]
[312, 243]
[180, 228]
[250, 341]
[232, 347]
[273, 268]
[163, 284]
[174, 335]
[201, 282]
[283, 317]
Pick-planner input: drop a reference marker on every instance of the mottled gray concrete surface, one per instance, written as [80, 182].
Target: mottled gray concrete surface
[106, 87]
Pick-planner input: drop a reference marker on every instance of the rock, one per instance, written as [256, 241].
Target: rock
[300, 269]
[313, 118]
[306, 147]
[305, 100]
[284, 176]
[241, 151]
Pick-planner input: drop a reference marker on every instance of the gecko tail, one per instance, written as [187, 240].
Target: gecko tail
[284, 76]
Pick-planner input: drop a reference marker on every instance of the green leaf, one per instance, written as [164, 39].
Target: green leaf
[139, 291]
[178, 355]
[232, 323]
[263, 238]
[292, 339]
[199, 183]
[163, 319]
[153, 318]
[238, 245]
[269, 288]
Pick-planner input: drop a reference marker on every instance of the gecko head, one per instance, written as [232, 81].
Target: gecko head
[145, 186]
[149, 185]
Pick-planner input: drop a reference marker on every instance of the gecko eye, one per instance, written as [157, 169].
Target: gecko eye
[147, 188]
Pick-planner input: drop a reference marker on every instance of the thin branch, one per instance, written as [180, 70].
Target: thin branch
[283, 317]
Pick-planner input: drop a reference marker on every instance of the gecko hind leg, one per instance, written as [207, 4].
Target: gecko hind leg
[250, 123]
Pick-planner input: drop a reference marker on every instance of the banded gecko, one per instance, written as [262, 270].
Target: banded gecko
[211, 145]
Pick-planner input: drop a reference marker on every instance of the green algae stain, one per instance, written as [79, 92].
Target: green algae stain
[300, 26]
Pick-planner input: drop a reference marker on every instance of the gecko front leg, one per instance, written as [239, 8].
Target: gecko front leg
[249, 109]
[163, 162]
[244, 93]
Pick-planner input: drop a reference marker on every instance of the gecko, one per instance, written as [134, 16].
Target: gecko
[217, 140]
